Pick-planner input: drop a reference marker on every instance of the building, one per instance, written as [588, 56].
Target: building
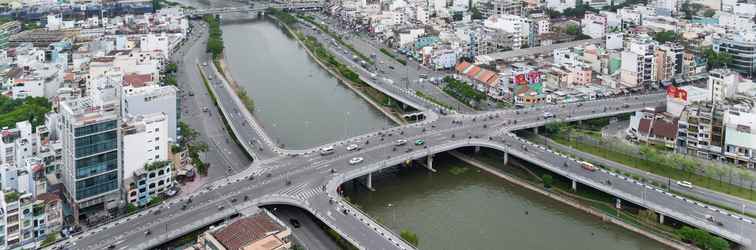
[140, 99]
[700, 131]
[723, 83]
[638, 63]
[520, 27]
[501, 7]
[742, 47]
[560, 5]
[261, 230]
[594, 25]
[146, 169]
[654, 128]
[16, 219]
[92, 162]
[668, 61]
[740, 138]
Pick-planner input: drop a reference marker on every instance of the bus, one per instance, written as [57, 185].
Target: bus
[587, 166]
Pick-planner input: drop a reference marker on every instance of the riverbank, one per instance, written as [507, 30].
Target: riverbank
[571, 201]
[361, 89]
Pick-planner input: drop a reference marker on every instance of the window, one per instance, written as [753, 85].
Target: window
[157, 147]
[157, 129]
[157, 138]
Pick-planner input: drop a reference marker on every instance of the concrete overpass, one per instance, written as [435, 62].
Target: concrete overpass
[309, 180]
[256, 7]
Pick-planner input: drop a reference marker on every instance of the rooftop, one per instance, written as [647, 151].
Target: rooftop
[246, 231]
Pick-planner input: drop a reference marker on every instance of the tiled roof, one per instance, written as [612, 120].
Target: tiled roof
[461, 67]
[137, 80]
[247, 230]
[661, 128]
[473, 72]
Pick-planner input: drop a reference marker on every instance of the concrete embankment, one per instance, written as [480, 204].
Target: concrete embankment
[569, 201]
[346, 82]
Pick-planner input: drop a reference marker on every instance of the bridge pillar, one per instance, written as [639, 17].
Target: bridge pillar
[574, 185]
[535, 130]
[369, 182]
[661, 218]
[477, 149]
[430, 163]
[506, 158]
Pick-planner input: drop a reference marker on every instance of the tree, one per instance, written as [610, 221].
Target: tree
[572, 29]
[155, 4]
[709, 13]
[476, 14]
[409, 237]
[553, 13]
[666, 36]
[717, 59]
[548, 181]
[32, 109]
[171, 68]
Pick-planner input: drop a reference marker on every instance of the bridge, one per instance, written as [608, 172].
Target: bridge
[257, 7]
[308, 180]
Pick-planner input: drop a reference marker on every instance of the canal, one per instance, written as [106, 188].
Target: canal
[299, 104]
[461, 207]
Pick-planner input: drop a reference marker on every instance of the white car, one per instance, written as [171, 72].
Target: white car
[352, 147]
[686, 184]
[355, 160]
[400, 142]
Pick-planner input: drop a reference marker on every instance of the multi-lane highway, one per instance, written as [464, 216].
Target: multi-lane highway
[309, 180]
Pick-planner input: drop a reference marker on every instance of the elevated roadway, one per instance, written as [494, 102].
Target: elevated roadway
[310, 180]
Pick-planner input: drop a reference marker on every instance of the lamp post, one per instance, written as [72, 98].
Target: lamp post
[393, 212]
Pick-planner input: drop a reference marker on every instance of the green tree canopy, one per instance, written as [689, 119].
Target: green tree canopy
[716, 59]
[409, 237]
[31, 109]
[666, 36]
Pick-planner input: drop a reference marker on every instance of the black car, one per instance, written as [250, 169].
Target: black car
[294, 223]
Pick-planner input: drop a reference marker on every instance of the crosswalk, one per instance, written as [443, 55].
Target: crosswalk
[302, 191]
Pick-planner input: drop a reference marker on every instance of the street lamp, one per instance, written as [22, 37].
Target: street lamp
[346, 117]
[393, 211]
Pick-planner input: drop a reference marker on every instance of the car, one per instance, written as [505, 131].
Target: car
[294, 223]
[547, 115]
[356, 160]
[191, 93]
[352, 147]
[400, 142]
[391, 67]
[326, 150]
[419, 142]
[685, 184]
[205, 109]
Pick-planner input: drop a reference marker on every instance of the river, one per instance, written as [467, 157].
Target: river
[301, 105]
[477, 210]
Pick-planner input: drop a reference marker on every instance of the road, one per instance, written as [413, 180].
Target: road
[223, 154]
[548, 49]
[309, 235]
[399, 73]
[695, 192]
[310, 180]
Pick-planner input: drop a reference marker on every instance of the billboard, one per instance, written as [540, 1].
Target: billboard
[527, 77]
[678, 93]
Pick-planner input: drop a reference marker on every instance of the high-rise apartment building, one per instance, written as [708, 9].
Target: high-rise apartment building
[92, 168]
